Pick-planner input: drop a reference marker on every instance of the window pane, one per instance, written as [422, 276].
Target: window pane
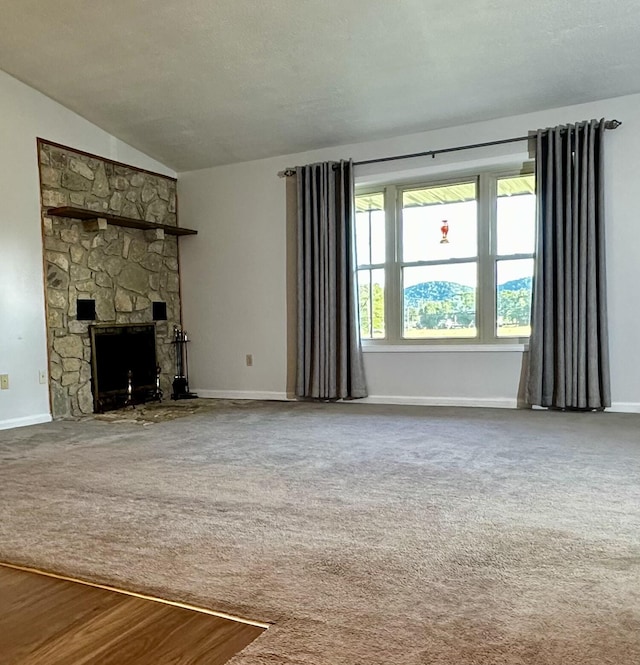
[516, 215]
[423, 213]
[370, 229]
[377, 237]
[363, 253]
[366, 202]
[371, 297]
[440, 301]
[513, 299]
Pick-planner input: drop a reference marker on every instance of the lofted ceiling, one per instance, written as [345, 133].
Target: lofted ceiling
[198, 83]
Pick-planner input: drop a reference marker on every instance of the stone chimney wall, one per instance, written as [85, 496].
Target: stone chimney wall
[123, 269]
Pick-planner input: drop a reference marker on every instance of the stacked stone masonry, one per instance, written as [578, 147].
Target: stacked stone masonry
[124, 270]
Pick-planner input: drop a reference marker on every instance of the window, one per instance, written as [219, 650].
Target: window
[371, 253]
[446, 261]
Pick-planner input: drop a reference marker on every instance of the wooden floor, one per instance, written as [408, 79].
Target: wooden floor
[48, 621]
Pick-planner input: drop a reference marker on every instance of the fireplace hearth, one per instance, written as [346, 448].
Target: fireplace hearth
[124, 365]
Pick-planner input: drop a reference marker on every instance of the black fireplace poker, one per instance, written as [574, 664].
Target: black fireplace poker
[181, 378]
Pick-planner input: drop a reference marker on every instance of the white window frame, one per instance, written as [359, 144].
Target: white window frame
[487, 259]
[371, 267]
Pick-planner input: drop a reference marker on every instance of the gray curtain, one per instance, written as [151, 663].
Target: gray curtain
[329, 354]
[568, 353]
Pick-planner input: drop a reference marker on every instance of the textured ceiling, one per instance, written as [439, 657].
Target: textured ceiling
[197, 83]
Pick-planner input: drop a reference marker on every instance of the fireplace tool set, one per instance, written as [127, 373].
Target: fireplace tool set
[181, 378]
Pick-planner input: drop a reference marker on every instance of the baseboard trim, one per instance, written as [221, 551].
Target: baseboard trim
[407, 400]
[487, 402]
[624, 407]
[27, 420]
[242, 394]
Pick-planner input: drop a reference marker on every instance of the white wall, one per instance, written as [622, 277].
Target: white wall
[234, 271]
[24, 115]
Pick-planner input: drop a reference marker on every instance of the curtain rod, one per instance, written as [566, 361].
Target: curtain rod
[609, 124]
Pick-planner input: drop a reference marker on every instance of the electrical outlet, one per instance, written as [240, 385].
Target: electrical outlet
[249, 359]
[42, 376]
[4, 382]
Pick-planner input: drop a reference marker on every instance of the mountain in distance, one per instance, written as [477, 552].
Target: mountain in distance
[516, 284]
[416, 295]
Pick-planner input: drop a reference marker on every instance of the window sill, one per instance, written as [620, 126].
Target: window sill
[444, 348]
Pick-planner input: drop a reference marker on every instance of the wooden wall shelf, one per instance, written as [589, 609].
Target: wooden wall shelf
[116, 220]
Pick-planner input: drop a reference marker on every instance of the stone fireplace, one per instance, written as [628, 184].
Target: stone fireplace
[122, 269]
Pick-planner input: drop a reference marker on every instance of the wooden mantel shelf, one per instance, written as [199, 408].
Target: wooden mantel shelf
[116, 220]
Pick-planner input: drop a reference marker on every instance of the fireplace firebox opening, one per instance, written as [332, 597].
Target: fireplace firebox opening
[124, 365]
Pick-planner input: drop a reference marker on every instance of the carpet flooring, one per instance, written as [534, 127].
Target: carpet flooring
[365, 534]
